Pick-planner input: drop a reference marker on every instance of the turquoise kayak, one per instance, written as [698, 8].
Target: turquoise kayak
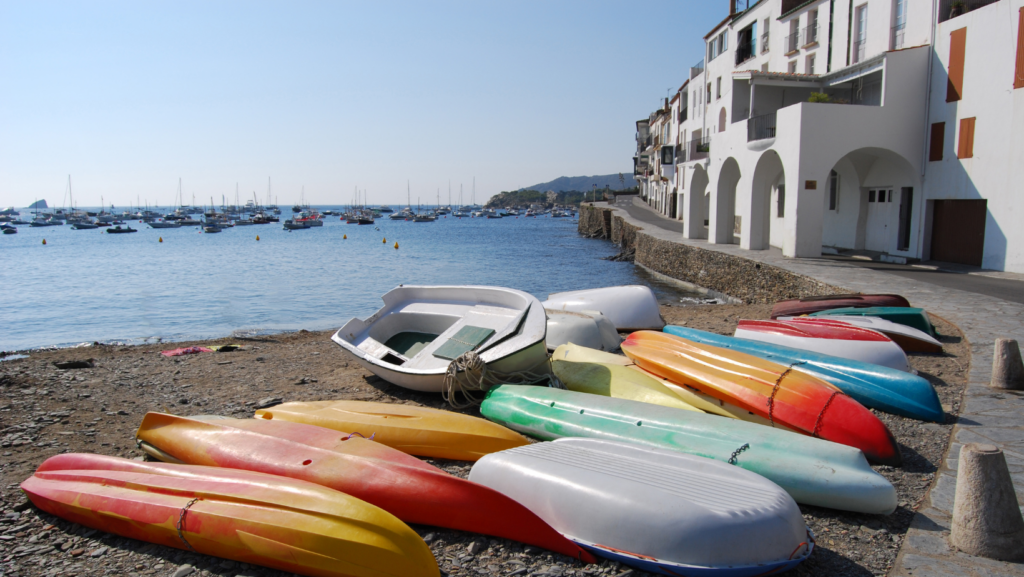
[813, 471]
[910, 316]
[874, 386]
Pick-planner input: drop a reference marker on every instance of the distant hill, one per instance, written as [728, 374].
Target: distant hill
[38, 204]
[585, 183]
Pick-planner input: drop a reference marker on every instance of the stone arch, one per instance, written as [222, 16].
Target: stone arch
[767, 196]
[697, 204]
[721, 120]
[725, 222]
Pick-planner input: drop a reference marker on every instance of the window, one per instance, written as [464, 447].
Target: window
[764, 36]
[780, 206]
[718, 88]
[721, 120]
[833, 190]
[938, 140]
[871, 195]
[860, 32]
[1018, 76]
[955, 82]
[906, 209]
[812, 28]
[809, 67]
[792, 66]
[899, 23]
[965, 148]
[709, 92]
[764, 67]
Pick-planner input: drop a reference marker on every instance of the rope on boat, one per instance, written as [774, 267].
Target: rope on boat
[817, 422]
[467, 380]
[736, 453]
[775, 389]
[181, 524]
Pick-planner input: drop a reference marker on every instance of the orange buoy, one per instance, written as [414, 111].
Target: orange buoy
[385, 241]
[257, 237]
[44, 242]
[344, 237]
[161, 239]
[396, 246]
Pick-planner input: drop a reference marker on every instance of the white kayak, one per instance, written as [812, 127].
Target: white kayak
[909, 339]
[828, 337]
[630, 308]
[585, 328]
[653, 509]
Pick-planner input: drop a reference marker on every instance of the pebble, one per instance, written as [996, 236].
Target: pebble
[98, 552]
[183, 571]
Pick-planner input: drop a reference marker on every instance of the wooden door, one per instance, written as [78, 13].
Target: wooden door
[958, 231]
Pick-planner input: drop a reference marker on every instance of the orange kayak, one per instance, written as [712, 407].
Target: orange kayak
[419, 431]
[781, 394]
[402, 485]
[249, 517]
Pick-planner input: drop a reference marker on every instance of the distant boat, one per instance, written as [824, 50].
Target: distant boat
[212, 228]
[165, 224]
[84, 226]
[295, 225]
[297, 208]
[385, 208]
[8, 229]
[119, 230]
[424, 218]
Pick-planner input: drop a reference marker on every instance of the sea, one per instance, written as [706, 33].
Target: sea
[85, 286]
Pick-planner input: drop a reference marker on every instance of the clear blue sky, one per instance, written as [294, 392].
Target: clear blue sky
[127, 97]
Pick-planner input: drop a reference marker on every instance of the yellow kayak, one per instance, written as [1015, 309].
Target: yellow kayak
[419, 431]
[571, 353]
[616, 381]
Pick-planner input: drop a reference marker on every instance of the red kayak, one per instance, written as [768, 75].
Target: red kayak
[827, 337]
[401, 484]
[808, 305]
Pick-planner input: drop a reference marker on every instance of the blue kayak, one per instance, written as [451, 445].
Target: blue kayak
[909, 316]
[872, 385]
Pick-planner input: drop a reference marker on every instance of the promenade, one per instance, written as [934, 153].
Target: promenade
[970, 301]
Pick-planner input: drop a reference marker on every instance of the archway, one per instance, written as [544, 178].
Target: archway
[767, 203]
[727, 226]
[695, 225]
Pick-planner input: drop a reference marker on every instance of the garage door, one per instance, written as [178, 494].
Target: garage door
[958, 231]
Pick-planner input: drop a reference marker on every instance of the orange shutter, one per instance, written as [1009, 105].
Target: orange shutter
[955, 84]
[1018, 77]
[965, 148]
[938, 141]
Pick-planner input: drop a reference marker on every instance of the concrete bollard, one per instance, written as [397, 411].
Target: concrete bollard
[986, 518]
[1007, 368]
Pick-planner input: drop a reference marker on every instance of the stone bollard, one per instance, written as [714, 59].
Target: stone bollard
[987, 521]
[1007, 368]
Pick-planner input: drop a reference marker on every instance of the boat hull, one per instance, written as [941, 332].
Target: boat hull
[240, 515]
[909, 339]
[836, 339]
[420, 431]
[806, 306]
[402, 485]
[873, 386]
[630, 308]
[912, 317]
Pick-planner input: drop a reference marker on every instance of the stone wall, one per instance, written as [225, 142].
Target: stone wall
[743, 279]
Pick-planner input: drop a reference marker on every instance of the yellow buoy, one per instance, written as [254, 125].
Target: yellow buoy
[385, 241]
[257, 237]
[396, 245]
[161, 239]
[344, 236]
[44, 242]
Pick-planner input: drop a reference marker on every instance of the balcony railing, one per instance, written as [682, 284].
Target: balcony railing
[859, 47]
[764, 43]
[680, 153]
[897, 36]
[683, 114]
[793, 42]
[953, 8]
[810, 35]
[699, 65]
[699, 148]
[744, 52]
[761, 127]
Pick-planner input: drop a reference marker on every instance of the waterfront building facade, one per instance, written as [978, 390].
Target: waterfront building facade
[815, 126]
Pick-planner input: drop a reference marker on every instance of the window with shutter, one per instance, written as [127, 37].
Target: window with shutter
[937, 142]
[955, 83]
[1018, 77]
[965, 148]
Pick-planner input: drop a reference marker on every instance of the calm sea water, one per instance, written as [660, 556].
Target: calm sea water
[86, 286]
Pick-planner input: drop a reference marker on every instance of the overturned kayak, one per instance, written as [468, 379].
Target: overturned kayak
[402, 485]
[778, 393]
[589, 329]
[812, 471]
[654, 509]
[909, 339]
[248, 517]
[910, 316]
[630, 308]
[830, 338]
[873, 386]
[809, 305]
[417, 431]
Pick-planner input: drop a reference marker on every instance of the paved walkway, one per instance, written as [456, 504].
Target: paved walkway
[987, 415]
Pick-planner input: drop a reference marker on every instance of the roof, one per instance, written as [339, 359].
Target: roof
[720, 24]
[676, 97]
[799, 5]
[779, 75]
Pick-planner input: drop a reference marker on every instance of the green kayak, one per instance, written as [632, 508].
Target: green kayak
[909, 316]
[813, 471]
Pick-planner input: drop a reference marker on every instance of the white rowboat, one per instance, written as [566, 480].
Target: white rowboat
[630, 308]
[587, 329]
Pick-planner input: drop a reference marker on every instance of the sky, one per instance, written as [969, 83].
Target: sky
[324, 98]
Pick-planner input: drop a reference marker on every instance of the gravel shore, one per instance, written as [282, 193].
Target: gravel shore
[45, 410]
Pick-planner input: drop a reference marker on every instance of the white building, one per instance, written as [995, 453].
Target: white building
[829, 123]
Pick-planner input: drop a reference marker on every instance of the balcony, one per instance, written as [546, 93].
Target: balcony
[953, 8]
[699, 148]
[683, 113]
[896, 36]
[744, 52]
[761, 127]
[810, 35]
[793, 43]
[764, 43]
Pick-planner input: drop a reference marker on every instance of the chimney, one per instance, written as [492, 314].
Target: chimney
[732, 7]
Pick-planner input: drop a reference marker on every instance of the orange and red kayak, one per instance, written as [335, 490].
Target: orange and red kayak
[406, 487]
[781, 394]
[249, 517]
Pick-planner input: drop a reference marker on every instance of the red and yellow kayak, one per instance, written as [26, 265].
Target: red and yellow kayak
[406, 487]
[778, 393]
[248, 517]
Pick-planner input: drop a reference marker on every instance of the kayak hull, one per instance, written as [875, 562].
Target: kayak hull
[620, 382]
[909, 339]
[873, 386]
[419, 431]
[830, 338]
[812, 471]
[402, 485]
[240, 515]
[912, 317]
[809, 305]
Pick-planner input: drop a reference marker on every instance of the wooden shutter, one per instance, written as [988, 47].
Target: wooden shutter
[955, 83]
[965, 149]
[937, 142]
[1018, 77]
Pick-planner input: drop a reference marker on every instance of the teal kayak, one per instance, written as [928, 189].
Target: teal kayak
[813, 471]
[874, 386]
[910, 316]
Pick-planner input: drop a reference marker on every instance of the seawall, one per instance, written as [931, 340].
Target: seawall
[742, 279]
